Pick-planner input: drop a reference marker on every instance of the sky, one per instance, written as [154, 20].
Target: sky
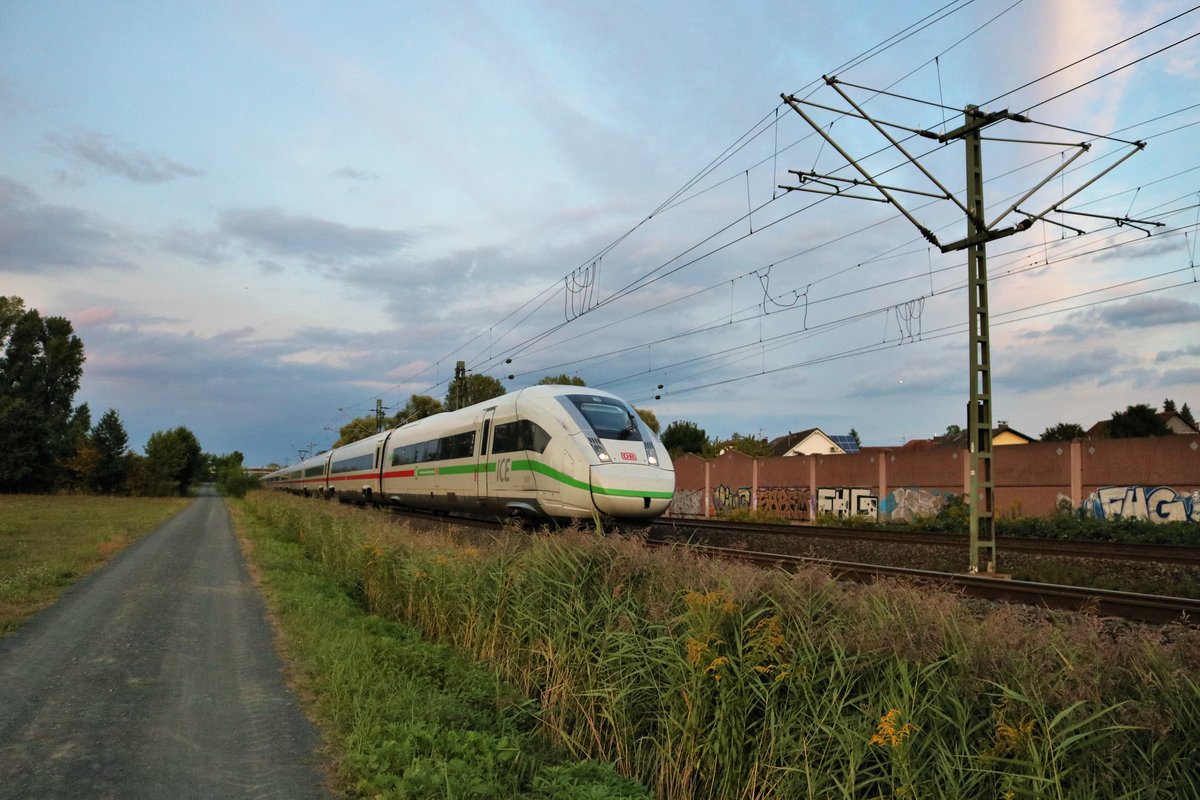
[262, 216]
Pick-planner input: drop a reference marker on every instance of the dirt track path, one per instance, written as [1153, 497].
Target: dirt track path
[155, 677]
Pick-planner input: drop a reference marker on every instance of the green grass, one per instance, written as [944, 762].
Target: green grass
[706, 679]
[404, 717]
[48, 542]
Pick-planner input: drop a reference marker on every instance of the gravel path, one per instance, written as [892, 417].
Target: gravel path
[155, 677]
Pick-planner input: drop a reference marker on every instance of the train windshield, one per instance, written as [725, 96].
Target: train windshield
[609, 418]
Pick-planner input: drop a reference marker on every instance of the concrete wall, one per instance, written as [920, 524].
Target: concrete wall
[1156, 478]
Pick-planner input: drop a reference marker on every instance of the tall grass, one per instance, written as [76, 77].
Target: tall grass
[706, 679]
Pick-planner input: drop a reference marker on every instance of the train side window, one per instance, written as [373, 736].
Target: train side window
[460, 445]
[487, 424]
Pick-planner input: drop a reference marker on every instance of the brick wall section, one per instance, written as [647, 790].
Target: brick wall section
[1029, 479]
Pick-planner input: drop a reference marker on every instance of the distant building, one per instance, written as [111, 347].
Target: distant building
[811, 442]
[1001, 435]
[1004, 435]
[1175, 423]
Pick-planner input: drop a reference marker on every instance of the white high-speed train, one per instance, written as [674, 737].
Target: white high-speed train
[543, 451]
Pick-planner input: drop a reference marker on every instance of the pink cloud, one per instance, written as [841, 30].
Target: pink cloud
[237, 333]
[95, 315]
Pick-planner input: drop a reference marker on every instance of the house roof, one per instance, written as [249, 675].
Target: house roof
[960, 439]
[783, 445]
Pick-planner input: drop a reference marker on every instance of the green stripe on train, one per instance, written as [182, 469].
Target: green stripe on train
[529, 465]
[562, 477]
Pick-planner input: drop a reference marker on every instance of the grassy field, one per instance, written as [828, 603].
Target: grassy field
[404, 717]
[49, 542]
[704, 679]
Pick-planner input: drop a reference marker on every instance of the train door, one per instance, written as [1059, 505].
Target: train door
[483, 476]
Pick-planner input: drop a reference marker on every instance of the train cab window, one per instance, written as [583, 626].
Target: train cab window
[522, 434]
[609, 418]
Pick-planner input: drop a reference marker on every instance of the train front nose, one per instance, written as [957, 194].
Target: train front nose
[632, 491]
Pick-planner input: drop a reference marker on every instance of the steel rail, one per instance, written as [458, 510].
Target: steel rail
[1179, 555]
[1103, 602]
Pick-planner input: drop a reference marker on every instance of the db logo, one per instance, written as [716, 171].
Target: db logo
[628, 456]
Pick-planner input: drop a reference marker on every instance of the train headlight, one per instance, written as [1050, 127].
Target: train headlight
[601, 453]
[651, 455]
[653, 460]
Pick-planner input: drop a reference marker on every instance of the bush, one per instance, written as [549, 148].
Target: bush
[233, 481]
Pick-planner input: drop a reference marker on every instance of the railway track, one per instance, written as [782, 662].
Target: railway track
[1140, 607]
[1146, 608]
[1176, 555]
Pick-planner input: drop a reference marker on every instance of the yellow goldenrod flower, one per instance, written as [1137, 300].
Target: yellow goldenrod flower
[887, 734]
[714, 668]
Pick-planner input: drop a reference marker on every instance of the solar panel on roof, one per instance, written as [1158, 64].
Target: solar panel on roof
[846, 442]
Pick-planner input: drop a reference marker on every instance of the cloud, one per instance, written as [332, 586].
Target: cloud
[35, 237]
[315, 240]
[207, 246]
[96, 149]
[259, 396]
[1147, 312]
[1028, 372]
[237, 333]
[94, 315]
[1136, 314]
[1189, 376]
[351, 174]
[1153, 248]
[1170, 355]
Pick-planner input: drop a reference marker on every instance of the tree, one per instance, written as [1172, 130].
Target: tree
[563, 380]
[355, 429]
[683, 436]
[1186, 413]
[110, 443]
[230, 476]
[854, 436]
[419, 406]
[76, 467]
[175, 457]
[1063, 432]
[41, 363]
[648, 417]
[1139, 420]
[747, 445]
[467, 390]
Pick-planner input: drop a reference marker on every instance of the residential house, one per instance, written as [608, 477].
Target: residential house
[813, 441]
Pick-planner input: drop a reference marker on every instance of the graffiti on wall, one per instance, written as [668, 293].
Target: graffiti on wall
[1157, 504]
[842, 502]
[906, 505]
[687, 502]
[797, 503]
[727, 499]
[786, 501]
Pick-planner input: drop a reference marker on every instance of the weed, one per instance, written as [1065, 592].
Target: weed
[708, 679]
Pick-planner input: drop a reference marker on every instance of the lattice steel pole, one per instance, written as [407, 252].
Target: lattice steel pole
[979, 233]
[979, 412]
